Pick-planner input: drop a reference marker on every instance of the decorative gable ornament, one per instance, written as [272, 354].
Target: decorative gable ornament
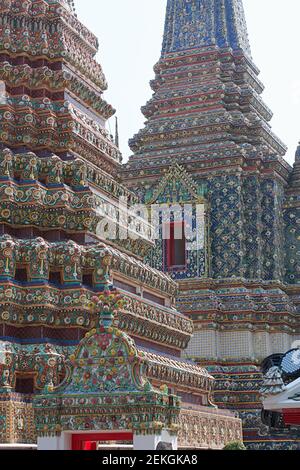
[273, 382]
[105, 387]
[176, 186]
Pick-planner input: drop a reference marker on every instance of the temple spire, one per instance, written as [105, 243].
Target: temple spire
[70, 4]
[294, 186]
[206, 97]
[298, 152]
[117, 139]
[192, 24]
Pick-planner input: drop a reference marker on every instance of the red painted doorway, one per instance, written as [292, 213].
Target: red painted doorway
[89, 442]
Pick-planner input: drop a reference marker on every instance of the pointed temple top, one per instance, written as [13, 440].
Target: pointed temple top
[70, 4]
[298, 152]
[191, 24]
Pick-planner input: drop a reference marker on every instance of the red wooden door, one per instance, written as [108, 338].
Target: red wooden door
[88, 445]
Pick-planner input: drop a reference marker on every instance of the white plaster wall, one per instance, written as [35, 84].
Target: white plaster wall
[280, 342]
[296, 341]
[239, 344]
[150, 442]
[64, 442]
[236, 344]
[261, 345]
[204, 344]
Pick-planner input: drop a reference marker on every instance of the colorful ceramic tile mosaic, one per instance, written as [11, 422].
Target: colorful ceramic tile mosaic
[86, 323]
[206, 118]
[72, 348]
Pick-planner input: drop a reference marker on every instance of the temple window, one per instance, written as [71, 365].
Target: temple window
[68, 181]
[55, 278]
[88, 280]
[25, 233]
[24, 384]
[175, 246]
[21, 274]
[53, 235]
[73, 335]
[43, 180]
[124, 286]
[154, 298]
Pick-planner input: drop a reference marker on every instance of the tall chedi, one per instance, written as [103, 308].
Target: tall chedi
[76, 306]
[292, 226]
[207, 142]
[52, 85]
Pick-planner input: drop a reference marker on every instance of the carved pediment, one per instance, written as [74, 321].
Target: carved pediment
[176, 186]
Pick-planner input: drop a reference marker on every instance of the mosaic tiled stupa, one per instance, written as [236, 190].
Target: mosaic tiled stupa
[207, 142]
[90, 338]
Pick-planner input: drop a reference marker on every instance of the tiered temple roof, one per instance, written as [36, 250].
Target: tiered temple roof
[206, 111]
[207, 143]
[53, 85]
[190, 25]
[58, 186]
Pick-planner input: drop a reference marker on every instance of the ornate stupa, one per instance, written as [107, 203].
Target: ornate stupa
[273, 382]
[85, 324]
[208, 144]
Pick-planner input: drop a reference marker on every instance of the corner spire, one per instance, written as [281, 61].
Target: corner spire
[71, 5]
[117, 139]
[192, 24]
[206, 99]
[298, 152]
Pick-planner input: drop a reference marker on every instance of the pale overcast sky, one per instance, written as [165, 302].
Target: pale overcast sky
[130, 36]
